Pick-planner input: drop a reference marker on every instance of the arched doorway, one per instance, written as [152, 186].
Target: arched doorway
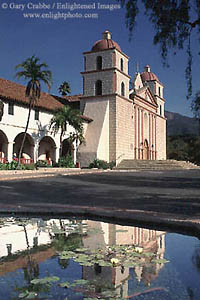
[47, 150]
[27, 156]
[3, 147]
[146, 150]
[67, 148]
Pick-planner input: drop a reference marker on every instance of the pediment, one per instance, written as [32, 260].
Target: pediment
[147, 95]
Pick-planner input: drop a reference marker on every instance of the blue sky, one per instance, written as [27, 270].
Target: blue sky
[60, 43]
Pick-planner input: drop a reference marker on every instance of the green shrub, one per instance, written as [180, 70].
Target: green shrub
[29, 167]
[66, 162]
[101, 164]
[42, 164]
[12, 166]
[3, 166]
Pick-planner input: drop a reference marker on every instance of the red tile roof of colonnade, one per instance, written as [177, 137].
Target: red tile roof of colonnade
[16, 92]
[10, 90]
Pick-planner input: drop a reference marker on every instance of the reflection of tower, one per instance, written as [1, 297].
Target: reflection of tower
[111, 234]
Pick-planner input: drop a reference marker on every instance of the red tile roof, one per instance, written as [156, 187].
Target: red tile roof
[105, 44]
[16, 92]
[13, 91]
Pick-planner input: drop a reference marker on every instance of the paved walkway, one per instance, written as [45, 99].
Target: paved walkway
[170, 199]
[42, 172]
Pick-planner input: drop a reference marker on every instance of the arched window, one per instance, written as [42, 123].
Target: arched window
[161, 110]
[99, 63]
[122, 89]
[84, 63]
[98, 88]
[159, 91]
[122, 64]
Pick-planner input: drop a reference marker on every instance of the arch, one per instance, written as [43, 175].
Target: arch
[3, 147]
[122, 64]
[47, 150]
[28, 149]
[123, 89]
[98, 88]
[99, 63]
[160, 110]
[67, 148]
[146, 150]
[159, 91]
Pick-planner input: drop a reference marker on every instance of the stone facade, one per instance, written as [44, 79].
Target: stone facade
[126, 124]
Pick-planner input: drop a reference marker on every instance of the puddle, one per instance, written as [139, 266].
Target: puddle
[64, 259]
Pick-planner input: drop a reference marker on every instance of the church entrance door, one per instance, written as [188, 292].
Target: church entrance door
[146, 150]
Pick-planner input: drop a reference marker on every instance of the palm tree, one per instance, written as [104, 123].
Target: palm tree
[62, 118]
[1, 109]
[32, 70]
[64, 88]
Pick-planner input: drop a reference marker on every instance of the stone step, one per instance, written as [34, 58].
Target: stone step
[155, 165]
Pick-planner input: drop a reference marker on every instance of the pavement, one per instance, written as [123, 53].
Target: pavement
[168, 200]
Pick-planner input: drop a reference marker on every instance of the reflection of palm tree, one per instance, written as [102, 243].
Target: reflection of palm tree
[31, 271]
[190, 293]
[196, 258]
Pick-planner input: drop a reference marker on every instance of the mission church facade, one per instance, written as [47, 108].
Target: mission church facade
[127, 124]
[119, 123]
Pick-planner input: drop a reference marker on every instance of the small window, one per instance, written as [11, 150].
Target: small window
[122, 65]
[98, 88]
[161, 110]
[10, 108]
[36, 114]
[99, 63]
[84, 63]
[159, 91]
[122, 89]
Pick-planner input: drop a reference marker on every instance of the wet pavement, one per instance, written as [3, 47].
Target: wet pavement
[167, 198]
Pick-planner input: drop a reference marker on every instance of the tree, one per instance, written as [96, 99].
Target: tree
[35, 72]
[174, 22]
[195, 106]
[1, 109]
[64, 88]
[62, 118]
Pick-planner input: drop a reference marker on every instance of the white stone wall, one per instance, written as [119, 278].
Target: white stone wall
[118, 61]
[138, 82]
[122, 78]
[124, 130]
[107, 60]
[13, 125]
[97, 132]
[107, 82]
[161, 106]
[161, 138]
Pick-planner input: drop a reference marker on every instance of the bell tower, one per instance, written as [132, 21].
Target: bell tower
[105, 100]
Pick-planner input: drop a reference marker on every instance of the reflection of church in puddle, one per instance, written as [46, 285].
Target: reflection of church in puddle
[149, 240]
[16, 239]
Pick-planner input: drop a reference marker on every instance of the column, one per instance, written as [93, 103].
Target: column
[75, 151]
[150, 143]
[142, 129]
[57, 153]
[155, 147]
[139, 134]
[135, 119]
[35, 154]
[10, 151]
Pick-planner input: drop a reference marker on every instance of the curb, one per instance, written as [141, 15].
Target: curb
[166, 222]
